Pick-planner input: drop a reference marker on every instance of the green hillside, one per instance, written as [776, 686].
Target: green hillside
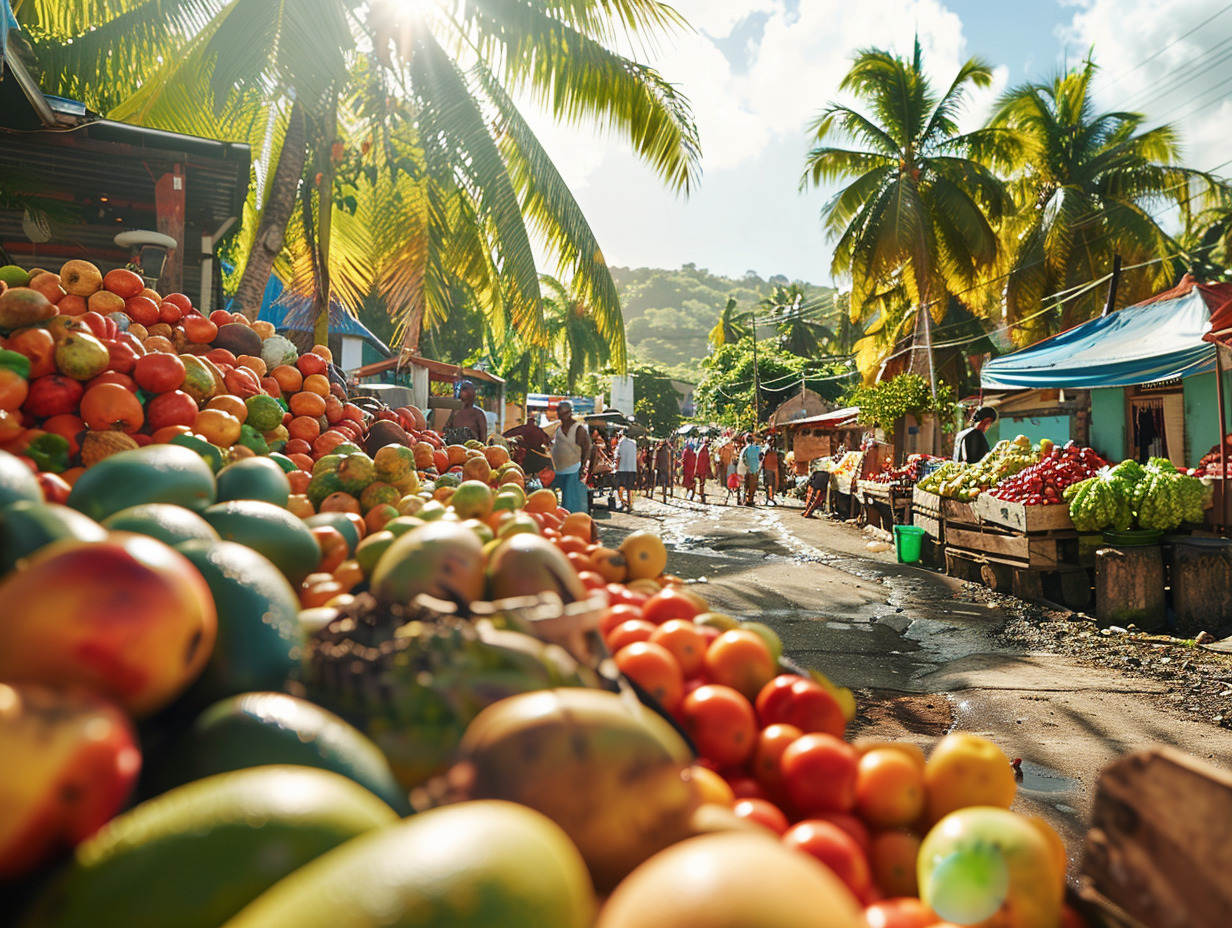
[669, 313]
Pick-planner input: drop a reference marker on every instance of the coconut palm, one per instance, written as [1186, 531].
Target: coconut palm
[577, 344]
[415, 101]
[729, 329]
[917, 210]
[793, 321]
[1086, 184]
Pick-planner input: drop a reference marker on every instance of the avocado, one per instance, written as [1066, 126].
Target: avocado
[153, 474]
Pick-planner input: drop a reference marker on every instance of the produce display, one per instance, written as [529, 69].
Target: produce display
[1210, 462]
[1129, 496]
[1045, 483]
[964, 482]
[846, 465]
[907, 475]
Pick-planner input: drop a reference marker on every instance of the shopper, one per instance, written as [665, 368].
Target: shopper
[570, 447]
[688, 461]
[701, 471]
[751, 455]
[770, 471]
[626, 471]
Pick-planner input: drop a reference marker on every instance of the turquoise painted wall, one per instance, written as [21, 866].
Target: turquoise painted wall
[1202, 415]
[1054, 428]
[1108, 422]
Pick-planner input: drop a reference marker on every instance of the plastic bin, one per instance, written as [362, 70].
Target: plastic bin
[908, 540]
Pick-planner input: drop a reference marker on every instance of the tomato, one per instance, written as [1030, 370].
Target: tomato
[654, 669]
[819, 772]
[850, 824]
[53, 395]
[170, 313]
[591, 580]
[892, 859]
[740, 659]
[801, 702]
[199, 330]
[14, 389]
[159, 373]
[899, 913]
[69, 427]
[762, 812]
[142, 310]
[721, 723]
[37, 344]
[671, 604]
[744, 786]
[110, 406]
[626, 633]
[772, 741]
[684, 640]
[834, 848]
[622, 595]
[310, 364]
[123, 282]
[889, 788]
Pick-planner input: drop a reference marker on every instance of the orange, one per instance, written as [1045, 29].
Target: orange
[889, 789]
[710, 786]
[685, 642]
[542, 501]
[339, 502]
[645, 554]
[654, 669]
[456, 454]
[966, 770]
[579, 525]
[289, 378]
[627, 633]
[496, 455]
[610, 564]
[304, 428]
[253, 363]
[109, 406]
[323, 351]
[317, 383]
[721, 723]
[741, 660]
[305, 403]
[229, 403]
[218, 427]
[772, 741]
[13, 389]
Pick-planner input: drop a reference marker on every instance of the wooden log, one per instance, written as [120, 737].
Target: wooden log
[1129, 588]
[961, 567]
[997, 577]
[1155, 849]
[1201, 578]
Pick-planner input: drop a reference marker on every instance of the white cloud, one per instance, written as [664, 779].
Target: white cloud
[1150, 65]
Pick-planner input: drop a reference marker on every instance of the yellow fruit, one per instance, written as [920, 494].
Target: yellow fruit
[645, 554]
[710, 786]
[966, 770]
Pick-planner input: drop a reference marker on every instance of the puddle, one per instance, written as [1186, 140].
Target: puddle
[1040, 779]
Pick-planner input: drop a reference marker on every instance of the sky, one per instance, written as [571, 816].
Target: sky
[757, 72]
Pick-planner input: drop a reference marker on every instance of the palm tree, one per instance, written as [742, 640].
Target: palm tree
[446, 180]
[1085, 184]
[917, 212]
[577, 344]
[729, 329]
[797, 333]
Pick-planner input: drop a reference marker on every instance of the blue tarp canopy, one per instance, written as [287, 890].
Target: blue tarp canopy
[1158, 339]
[290, 312]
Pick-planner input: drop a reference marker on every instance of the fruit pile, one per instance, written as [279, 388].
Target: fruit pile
[280, 746]
[1210, 462]
[846, 465]
[1129, 496]
[1045, 483]
[907, 475]
[964, 482]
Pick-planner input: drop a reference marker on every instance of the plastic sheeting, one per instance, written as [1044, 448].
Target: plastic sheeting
[1159, 339]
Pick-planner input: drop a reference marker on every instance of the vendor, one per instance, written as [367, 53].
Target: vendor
[570, 447]
[469, 416]
[970, 445]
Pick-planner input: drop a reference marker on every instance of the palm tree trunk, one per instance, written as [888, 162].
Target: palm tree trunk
[272, 229]
[325, 216]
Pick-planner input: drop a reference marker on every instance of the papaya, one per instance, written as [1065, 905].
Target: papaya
[441, 559]
[169, 524]
[527, 565]
[198, 379]
[197, 855]
[153, 474]
[426, 872]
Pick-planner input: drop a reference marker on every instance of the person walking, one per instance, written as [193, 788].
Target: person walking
[570, 447]
[751, 456]
[727, 450]
[770, 471]
[688, 462]
[818, 482]
[663, 467]
[701, 470]
[626, 471]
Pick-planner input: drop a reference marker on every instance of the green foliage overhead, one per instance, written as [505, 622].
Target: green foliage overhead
[656, 403]
[883, 404]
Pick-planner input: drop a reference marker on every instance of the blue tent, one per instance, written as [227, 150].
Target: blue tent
[1158, 339]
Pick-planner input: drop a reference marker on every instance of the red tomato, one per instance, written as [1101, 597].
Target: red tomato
[772, 741]
[626, 633]
[159, 372]
[835, 848]
[744, 786]
[172, 408]
[805, 703]
[685, 641]
[850, 824]
[819, 773]
[763, 812]
[622, 595]
[654, 669]
[142, 310]
[670, 603]
[721, 723]
[617, 614]
[741, 660]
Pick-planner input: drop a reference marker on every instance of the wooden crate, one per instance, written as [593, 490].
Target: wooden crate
[932, 526]
[953, 510]
[1036, 551]
[1156, 854]
[1020, 517]
[922, 499]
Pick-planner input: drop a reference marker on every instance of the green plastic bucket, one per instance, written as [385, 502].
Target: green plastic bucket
[908, 540]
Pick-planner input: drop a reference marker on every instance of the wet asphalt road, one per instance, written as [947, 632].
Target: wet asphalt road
[920, 649]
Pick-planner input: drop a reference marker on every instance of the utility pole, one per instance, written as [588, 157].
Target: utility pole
[756, 376]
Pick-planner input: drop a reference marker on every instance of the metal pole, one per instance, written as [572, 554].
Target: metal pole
[1223, 448]
[756, 375]
[1110, 305]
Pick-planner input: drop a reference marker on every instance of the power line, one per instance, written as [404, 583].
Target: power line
[1149, 58]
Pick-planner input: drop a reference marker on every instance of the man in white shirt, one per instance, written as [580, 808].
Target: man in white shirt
[626, 471]
[570, 447]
